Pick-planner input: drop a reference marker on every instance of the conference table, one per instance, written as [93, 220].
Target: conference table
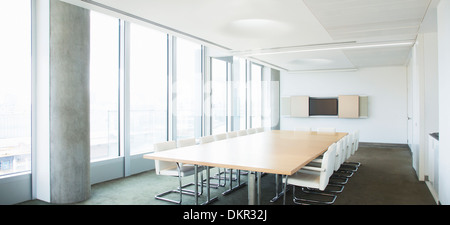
[279, 152]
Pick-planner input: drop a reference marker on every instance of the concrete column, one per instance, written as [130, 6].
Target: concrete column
[275, 98]
[69, 103]
[63, 152]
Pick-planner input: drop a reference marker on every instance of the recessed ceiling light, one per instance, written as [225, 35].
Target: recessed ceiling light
[325, 47]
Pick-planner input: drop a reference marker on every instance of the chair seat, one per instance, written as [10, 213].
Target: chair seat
[185, 170]
[305, 178]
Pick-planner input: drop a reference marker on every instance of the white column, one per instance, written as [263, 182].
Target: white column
[443, 18]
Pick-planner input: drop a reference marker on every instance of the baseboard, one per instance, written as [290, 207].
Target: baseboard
[382, 145]
[433, 192]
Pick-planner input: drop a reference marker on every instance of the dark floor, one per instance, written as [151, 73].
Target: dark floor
[385, 177]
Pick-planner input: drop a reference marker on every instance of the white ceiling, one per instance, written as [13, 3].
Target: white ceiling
[292, 35]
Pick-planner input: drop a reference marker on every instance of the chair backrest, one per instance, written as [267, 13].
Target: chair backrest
[326, 130]
[355, 141]
[302, 129]
[206, 139]
[348, 149]
[232, 134]
[163, 146]
[339, 154]
[251, 130]
[219, 137]
[328, 166]
[185, 142]
[242, 132]
[259, 129]
[352, 146]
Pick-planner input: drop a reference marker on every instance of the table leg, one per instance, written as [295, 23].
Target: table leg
[278, 194]
[254, 188]
[285, 186]
[196, 183]
[258, 178]
[239, 185]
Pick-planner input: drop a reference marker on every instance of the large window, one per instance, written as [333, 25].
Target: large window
[148, 88]
[15, 87]
[219, 95]
[187, 89]
[240, 99]
[104, 86]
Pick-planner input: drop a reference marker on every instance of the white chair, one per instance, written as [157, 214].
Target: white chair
[340, 147]
[236, 134]
[313, 177]
[338, 160]
[326, 130]
[339, 150]
[251, 130]
[353, 148]
[209, 139]
[355, 141]
[186, 142]
[173, 169]
[302, 129]
[337, 164]
[349, 145]
[347, 169]
[219, 137]
[206, 139]
[242, 132]
[260, 129]
[232, 134]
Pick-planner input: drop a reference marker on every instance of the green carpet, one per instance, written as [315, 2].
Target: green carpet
[385, 177]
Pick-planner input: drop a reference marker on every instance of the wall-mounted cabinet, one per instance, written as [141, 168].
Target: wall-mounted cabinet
[344, 106]
[348, 106]
[299, 106]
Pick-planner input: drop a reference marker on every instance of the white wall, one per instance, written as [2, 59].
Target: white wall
[386, 88]
[431, 95]
[444, 106]
[431, 83]
[423, 99]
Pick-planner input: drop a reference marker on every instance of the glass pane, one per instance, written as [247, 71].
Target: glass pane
[256, 73]
[148, 88]
[15, 87]
[242, 84]
[188, 89]
[268, 88]
[104, 86]
[218, 96]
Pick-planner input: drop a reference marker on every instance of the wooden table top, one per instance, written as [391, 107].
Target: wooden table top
[278, 152]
